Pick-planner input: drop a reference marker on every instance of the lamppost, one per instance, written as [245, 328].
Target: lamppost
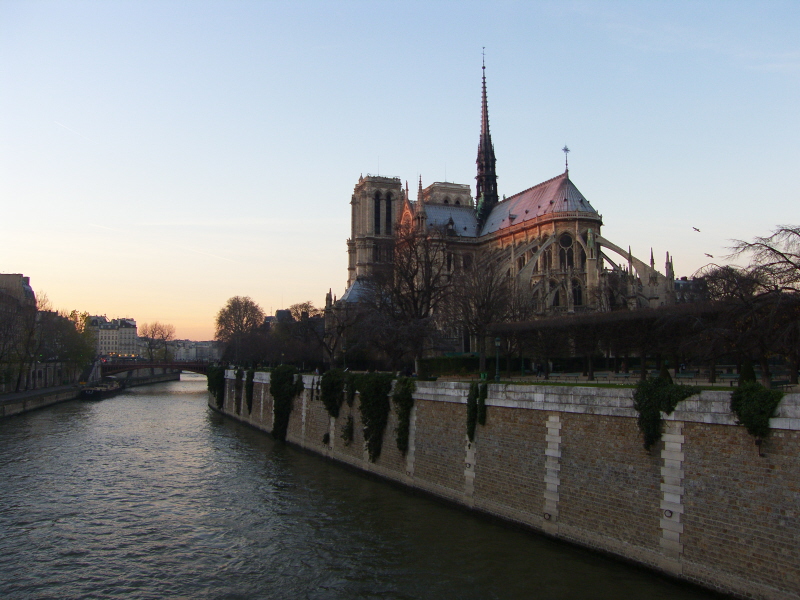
[497, 359]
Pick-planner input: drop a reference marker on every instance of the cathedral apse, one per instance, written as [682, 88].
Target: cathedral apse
[549, 237]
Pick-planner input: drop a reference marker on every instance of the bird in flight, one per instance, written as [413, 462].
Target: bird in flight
[695, 228]
[708, 255]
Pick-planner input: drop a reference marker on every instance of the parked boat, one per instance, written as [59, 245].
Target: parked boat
[102, 390]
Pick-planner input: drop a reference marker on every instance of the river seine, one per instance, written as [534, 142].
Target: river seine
[152, 495]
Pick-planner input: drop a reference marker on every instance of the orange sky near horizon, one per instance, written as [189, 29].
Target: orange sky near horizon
[157, 158]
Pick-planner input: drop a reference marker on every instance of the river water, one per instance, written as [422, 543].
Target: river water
[152, 495]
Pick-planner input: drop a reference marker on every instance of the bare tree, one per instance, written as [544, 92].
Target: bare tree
[482, 295]
[304, 310]
[340, 321]
[521, 308]
[408, 299]
[755, 306]
[774, 259]
[775, 263]
[10, 323]
[165, 333]
[29, 337]
[156, 336]
[382, 326]
[239, 317]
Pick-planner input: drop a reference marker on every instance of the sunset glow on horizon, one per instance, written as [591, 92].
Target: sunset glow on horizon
[157, 158]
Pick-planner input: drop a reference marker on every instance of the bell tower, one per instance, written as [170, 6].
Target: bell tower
[374, 212]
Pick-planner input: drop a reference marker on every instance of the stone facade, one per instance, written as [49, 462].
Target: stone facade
[703, 505]
[547, 238]
[117, 337]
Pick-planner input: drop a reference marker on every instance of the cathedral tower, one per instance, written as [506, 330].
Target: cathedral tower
[486, 187]
[375, 209]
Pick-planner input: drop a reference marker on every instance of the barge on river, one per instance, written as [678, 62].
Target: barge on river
[101, 391]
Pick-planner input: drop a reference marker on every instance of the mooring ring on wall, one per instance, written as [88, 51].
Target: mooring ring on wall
[546, 516]
[668, 514]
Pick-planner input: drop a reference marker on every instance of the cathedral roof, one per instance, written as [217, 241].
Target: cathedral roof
[556, 195]
[357, 292]
[464, 219]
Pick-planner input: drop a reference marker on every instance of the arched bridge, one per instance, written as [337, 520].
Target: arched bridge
[111, 368]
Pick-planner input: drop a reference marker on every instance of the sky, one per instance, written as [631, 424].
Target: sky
[157, 158]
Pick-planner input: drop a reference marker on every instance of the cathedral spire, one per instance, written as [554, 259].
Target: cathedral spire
[420, 207]
[486, 188]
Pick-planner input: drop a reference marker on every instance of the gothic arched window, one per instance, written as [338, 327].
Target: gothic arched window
[377, 213]
[389, 214]
[577, 293]
[537, 300]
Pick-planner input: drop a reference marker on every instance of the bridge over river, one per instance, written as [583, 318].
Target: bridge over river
[116, 367]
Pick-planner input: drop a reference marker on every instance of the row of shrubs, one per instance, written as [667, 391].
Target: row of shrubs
[752, 404]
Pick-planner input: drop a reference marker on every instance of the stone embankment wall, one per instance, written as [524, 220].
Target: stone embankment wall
[16, 404]
[703, 505]
[140, 378]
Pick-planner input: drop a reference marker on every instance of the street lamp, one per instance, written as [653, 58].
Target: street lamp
[497, 359]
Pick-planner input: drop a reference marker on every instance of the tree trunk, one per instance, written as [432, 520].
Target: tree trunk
[418, 367]
[643, 366]
[766, 376]
[590, 367]
[712, 372]
[482, 353]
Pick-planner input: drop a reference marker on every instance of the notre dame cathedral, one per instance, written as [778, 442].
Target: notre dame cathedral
[549, 234]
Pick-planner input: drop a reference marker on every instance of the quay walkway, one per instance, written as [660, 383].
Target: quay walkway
[725, 380]
[21, 402]
[17, 403]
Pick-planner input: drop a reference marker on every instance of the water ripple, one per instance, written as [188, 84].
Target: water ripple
[150, 495]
